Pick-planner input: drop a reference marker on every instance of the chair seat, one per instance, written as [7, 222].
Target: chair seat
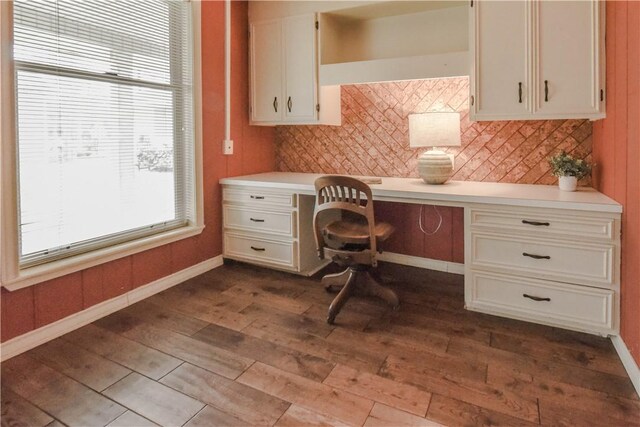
[355, 232]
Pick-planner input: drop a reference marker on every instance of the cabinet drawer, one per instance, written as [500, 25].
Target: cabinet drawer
[542, 223]
[561, 304]
[258, 197]
[245, 218]
[578, 263]
[261, 250]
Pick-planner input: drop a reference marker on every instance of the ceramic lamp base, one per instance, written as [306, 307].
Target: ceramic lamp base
[435, 166]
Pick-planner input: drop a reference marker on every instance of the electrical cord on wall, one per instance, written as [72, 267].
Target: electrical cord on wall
[439, 221]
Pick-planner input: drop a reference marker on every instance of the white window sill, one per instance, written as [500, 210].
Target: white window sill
[41, 273]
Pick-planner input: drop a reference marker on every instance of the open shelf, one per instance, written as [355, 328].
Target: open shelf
[394, 41]
[391, 69]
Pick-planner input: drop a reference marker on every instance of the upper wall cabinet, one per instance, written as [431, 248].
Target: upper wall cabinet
[266, 71]
[284, 74]
[537, 59]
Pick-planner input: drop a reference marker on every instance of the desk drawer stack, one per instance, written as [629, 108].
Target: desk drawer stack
[261, 226]
[557, 267]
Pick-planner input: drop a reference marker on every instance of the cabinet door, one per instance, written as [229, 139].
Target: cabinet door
[500, 46]
[266, 71]
[300, 69]
[568, 50]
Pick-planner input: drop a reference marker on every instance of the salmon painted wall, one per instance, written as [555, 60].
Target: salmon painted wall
[616, 149]
[30, 308]
[444, 242]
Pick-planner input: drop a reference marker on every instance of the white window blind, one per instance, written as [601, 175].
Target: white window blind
[104, 122]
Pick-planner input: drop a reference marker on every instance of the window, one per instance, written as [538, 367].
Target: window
[104, 123]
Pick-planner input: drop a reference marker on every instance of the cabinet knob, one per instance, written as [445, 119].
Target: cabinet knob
[275, 104]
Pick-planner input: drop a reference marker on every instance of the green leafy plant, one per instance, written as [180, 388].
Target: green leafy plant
[563, 164]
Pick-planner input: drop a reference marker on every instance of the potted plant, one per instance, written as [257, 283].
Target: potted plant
[568, 170]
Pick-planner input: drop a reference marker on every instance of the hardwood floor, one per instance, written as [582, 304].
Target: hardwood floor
[244, 346]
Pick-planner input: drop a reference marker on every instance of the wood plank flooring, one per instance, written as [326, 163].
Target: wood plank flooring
[243, 346]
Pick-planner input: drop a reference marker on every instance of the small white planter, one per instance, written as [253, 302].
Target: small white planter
[568, 183]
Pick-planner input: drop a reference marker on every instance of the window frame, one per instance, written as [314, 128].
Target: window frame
[12, 276]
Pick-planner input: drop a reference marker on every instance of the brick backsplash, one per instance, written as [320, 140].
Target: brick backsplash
[374, 137]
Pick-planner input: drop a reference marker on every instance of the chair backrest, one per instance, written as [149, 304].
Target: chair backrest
[344, 193]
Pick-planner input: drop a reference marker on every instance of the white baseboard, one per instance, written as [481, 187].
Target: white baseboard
[414, 261]
[167, 282]
[53, 330]
[628, 361]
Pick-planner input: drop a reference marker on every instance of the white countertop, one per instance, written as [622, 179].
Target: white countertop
[456, 192]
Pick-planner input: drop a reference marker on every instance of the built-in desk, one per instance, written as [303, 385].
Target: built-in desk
[532, 252]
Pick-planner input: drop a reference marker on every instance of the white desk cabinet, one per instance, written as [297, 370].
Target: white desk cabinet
[551, 266]
[532, 252]
[284, 74]
[537, 59]
[270, 227]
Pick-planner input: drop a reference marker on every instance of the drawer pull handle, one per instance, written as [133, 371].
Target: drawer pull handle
[258, 249]
[536, 256]
[536, 298]
[536, 223]
[257, 197]
[546, 91]
[256, 220]
[520, 92]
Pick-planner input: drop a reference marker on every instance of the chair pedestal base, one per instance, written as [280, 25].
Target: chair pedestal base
[355, 279]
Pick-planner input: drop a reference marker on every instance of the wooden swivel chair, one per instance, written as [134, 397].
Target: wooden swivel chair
[353, 241]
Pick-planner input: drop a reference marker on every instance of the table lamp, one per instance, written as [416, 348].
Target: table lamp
[434, 130]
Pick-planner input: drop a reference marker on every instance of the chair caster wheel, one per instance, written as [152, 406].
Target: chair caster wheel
[331, 320]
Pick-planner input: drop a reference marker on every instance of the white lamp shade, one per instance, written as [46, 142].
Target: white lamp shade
[434, 129]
